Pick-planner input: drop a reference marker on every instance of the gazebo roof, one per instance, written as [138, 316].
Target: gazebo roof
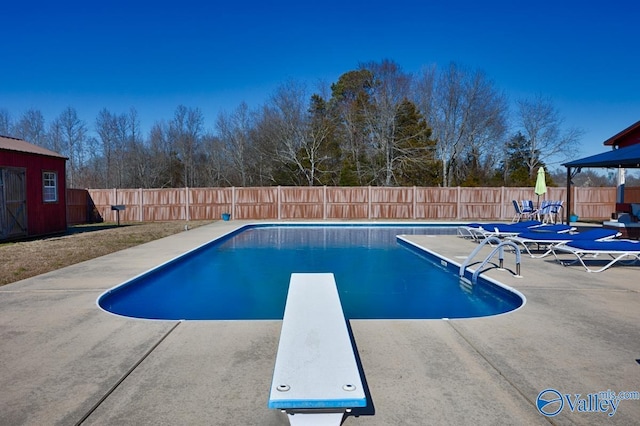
[627, 157]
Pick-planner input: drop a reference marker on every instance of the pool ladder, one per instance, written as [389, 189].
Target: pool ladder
[499, 248]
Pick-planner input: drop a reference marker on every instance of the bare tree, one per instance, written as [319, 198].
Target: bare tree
[55, 138]
[5, 122]
[73, 133]
[31, 127]
[164, 169]
[185, 131]
[135, 131]
[287, 129]
[541, 125]
[465, 111]
[218, 170]
[486, 130]
[389, 95]
[137, 154]
[105, 128]
[120, 144]
[234, 131]
[92, 172]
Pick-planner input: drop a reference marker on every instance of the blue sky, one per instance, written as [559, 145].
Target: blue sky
[214, 55]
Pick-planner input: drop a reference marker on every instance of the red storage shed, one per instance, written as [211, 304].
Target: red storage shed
[627, 137]
[32, 190]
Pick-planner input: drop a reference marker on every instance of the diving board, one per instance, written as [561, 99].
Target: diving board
[316, 377]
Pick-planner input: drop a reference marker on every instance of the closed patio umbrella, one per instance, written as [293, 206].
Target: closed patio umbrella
[541, 184]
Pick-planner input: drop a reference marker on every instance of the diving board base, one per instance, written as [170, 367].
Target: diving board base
[315, 419]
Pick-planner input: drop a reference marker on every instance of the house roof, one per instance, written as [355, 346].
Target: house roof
[627, 137]
[13, 144]
[627, 157]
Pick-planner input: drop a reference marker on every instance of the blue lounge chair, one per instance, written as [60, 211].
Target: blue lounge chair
[551, 239]
[624, 251]
[556, 227]
[480, 231]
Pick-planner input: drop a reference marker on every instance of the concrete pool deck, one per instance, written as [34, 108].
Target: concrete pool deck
[64, 361]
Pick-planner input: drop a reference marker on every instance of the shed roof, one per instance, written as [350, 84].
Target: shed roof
[13, 144]
[629, 136]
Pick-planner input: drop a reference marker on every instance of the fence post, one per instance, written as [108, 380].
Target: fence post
[140, 205]
[115, 200]
[415, 215]
[369, 209]
[233, 202]
[279, 201]
[458, 215]
[324, 202]
[186, 203]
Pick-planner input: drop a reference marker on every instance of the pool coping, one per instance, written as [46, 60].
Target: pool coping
[65, 361]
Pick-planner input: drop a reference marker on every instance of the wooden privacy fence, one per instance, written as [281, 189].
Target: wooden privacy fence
[326, 203]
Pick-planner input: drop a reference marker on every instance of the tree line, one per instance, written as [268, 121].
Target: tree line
[376, 125]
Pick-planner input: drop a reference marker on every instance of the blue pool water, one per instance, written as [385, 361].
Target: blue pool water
[245, 276]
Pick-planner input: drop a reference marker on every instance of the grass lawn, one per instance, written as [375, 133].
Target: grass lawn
[24, 259]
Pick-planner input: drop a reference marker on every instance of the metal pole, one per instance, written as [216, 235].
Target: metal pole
[568, 209]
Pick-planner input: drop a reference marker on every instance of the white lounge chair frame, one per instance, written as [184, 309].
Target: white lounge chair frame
[550, 243]
[625, 257]
[480, 233]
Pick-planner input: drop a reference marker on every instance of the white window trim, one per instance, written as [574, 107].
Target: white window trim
[46, 187]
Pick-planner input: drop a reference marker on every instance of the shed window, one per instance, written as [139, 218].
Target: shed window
[50, 184]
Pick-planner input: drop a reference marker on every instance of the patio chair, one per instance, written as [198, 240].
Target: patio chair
[519, 214]
[556, 211]
[529, 210]
[550, 211]
[549, 240]
[626, 252]
[545, 211]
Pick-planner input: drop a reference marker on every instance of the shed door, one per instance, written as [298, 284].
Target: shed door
[13, 203]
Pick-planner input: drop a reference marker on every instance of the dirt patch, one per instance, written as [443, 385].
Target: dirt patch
[20, 260]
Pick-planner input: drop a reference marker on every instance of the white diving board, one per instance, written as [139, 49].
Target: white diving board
[316, 378]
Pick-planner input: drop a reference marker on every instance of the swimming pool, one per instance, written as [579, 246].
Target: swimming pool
[245, 276]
